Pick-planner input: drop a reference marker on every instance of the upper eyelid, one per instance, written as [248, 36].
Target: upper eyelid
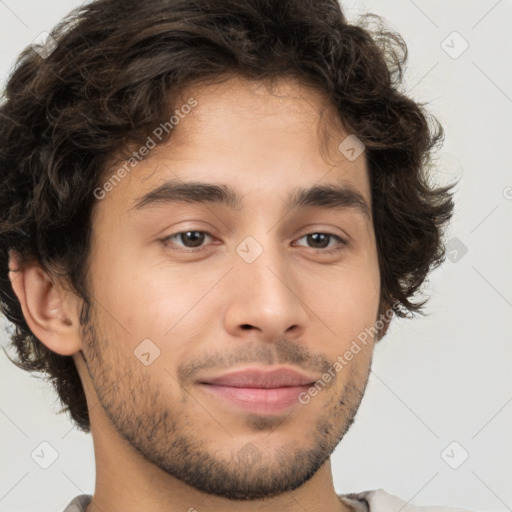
[172, 235]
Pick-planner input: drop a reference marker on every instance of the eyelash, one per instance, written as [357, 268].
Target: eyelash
[191, 250]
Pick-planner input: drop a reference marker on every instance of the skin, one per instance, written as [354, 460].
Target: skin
[161, 441]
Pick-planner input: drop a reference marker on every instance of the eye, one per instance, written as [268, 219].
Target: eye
[190, 239]
[193, 241]
[322, 241]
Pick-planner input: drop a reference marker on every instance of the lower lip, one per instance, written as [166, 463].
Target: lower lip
[258, 400]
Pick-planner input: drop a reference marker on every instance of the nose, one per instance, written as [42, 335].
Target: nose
[265, 296]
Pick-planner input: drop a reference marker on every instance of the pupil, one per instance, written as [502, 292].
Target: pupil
[314, 238]
[195, 236]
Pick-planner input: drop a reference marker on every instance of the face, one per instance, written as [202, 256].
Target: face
[215, 310]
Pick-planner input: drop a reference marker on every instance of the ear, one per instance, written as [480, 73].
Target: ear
[49, 308]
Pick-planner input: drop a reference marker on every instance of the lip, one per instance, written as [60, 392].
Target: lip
[259, 391]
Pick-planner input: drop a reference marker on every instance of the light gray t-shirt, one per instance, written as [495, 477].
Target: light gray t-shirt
[367, 501]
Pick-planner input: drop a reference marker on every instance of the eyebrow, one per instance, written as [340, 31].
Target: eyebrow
[319, 196]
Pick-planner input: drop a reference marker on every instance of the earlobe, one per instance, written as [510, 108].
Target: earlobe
[49, 309]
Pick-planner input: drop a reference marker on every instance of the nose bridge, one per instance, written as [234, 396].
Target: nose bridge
[267, 273]
[266, 292]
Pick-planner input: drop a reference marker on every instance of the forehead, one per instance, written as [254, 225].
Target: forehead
[238, 109]
[253, 136]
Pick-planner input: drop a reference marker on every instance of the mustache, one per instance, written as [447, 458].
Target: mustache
[280, 352]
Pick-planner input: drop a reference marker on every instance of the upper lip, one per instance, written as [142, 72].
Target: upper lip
[257, 378]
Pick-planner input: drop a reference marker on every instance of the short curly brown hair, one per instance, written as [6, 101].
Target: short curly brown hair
[111, 80]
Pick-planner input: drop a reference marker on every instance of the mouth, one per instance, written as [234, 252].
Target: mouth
[259, 391]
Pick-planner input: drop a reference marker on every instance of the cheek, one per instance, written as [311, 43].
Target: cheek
[159, 301]
[345, 302]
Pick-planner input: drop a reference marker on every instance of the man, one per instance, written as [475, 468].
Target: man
[207, 207]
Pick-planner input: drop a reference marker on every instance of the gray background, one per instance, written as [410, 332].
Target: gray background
[435, 381]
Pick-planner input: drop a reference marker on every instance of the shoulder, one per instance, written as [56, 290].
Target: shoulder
[381, 501]
[79, 503]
